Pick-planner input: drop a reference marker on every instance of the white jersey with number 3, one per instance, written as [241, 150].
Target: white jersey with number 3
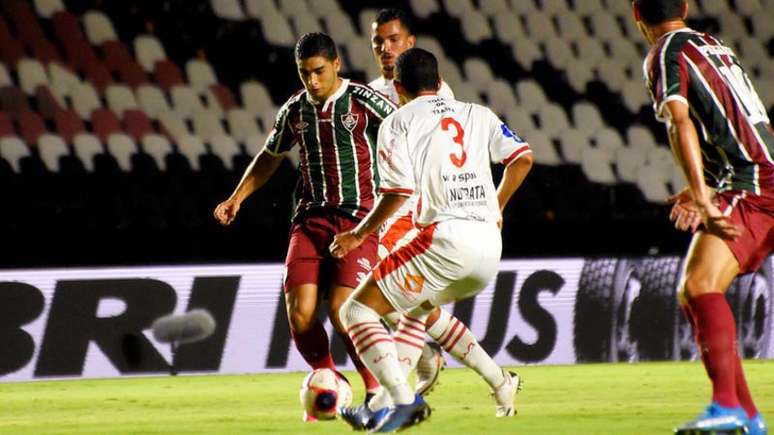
[441, 149]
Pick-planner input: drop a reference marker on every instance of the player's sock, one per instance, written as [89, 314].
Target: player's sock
[376, 349]
[392, 319]
[457, 339]
[410, 340]
[370, 382]
[716, 337]
[313, 346]
[743, 392]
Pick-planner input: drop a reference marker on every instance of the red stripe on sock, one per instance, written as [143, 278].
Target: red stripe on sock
[360, 340]
[403, 332]
[461, 333]
[412, 321]
[352, 328]
[410, 343]
[356, 336]
[450, 332]
[370, 345]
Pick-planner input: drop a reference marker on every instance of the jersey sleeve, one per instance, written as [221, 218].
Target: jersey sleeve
[505, 146]
[281, 138]
[395, 169]
[666, 75]
[378, 106]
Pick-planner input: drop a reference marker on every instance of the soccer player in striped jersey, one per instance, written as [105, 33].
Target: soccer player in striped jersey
[334, 122]
[392, 34]
[698, 84]
[442, 149]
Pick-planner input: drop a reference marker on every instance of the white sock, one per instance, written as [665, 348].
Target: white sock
[457, 339]
[376, 349]
[392, 319]
[409, 340]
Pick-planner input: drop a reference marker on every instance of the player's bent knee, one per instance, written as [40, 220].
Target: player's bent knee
[300, 320]
[433, 317]
[694, 285]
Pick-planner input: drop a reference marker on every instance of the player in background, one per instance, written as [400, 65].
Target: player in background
[334, 122]
[442, 149]
[696, 82]
[392, 34]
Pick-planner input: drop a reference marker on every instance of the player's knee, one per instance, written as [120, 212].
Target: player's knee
[300, 320]
[693, 285]
[433, 317]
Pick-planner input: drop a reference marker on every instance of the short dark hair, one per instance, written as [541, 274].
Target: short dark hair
[658, 11]
[389, 14]
[417, 71]
[316, 44]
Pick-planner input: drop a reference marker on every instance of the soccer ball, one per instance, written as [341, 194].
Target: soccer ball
[323, 392]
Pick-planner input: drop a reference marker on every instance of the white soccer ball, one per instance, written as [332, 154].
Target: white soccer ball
[323, 392]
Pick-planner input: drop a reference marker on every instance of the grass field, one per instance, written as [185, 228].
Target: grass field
[583, 399]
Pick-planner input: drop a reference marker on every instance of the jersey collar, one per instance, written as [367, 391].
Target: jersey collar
[335, 96]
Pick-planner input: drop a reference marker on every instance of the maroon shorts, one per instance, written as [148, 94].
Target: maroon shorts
[755, 214]
[309, 261]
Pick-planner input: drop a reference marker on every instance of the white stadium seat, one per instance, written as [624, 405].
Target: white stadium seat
[200, 75]
[152, 100]
[85, 100]
[226, 148]
[192, 148]
[31, 75]
[158, 147]
[87, 146]
[52, 148]
[47, 8]
[228, 9]
[185, 101]
[122, 148]
[424, 8]
[148, 50]
[12, 149]
[260, 8]
[120, 98]
[98, 27]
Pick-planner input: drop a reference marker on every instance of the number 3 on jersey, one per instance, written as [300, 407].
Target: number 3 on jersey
[459, 134]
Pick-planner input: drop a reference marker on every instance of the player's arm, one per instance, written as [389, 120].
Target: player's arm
[513, 176]
[263, 166]
[684, 141]
[386, 206]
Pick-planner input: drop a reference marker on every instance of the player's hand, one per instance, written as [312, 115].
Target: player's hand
[344, 243]
[226, 211]
[717, 224]
[685, 213]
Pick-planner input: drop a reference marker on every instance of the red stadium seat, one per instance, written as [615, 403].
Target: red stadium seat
[132, 74]
[47, 105]
[68, 124]
[6, 126]
[31, 127]
[13, 101]
[45, 51]
[137, 124]
[104, 123]
[223, 96]
[167, 74]
[116, 55]
[98, 74]
[11, 51]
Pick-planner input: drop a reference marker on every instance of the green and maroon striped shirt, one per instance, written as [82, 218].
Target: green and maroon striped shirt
[337, 143]
[738, 141]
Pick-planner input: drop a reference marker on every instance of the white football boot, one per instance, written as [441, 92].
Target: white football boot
[506, 393]
[429, 368]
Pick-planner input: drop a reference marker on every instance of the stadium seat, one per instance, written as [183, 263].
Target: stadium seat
[185, 101]
[192, 148]
[120, 98]
[47, 105]
[13, 101]
[200, 75]
[526, 52]
[290, 8]
[31, 75]
[167, 74]
[475, 28]
[500, 96]
[596, 166]
[531, 95]
[136, 124]
[207, 125]
[225, 148]
[174, 126]
[635, 96]
[260, 8]
[104, 123]
[638, 136]
[424, 8]
[572, 142]
[98, 75]
[571, 27]
[6, 126]
[220, 99]
[539, 26]
[228, 9]
[628, 161]
[553, 119]
[255, 97]
[586, 117]
[559, 53]
[52, 148]
[31, 127]
[242, 125]
[553, 6]
[543, 150]
[62, 80]
[579, 74]
[12, 150]
[86, 147]
[612, 74]
[341, 28]
[305, 23]
[588, 7]
[276, 30]
[158, 147]
[508, 28]
[478, 73]
[458, 8]
[99, 28]
[152, 100]
[5, 78]
[520, 121]
[148, 51]
[47, 8]
[85, 100]
[122, 147]
[68, 125]
[324, 8]
[493, 8]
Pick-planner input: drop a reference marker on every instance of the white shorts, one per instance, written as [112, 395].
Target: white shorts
[445, 262]
[398, 229]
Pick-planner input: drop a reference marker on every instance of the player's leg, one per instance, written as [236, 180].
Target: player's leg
[307, 331]
[709, 270]
[338, 296]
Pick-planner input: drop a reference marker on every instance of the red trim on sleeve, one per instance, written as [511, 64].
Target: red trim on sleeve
[516, 154]
[398, 190]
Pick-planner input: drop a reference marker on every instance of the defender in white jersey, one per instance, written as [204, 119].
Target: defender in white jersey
[442, 149]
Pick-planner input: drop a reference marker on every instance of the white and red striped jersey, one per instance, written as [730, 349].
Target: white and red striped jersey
[441, 149]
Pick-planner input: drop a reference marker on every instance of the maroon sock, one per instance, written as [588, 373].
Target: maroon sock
[313, 346]
[716, 334]
[745, 398]
[370, 382]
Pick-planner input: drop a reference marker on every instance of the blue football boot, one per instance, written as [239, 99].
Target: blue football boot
[757, 426]
[400, 417]
[361, 417]
[716, 420]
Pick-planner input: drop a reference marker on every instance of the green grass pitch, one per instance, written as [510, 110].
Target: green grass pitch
[644, 398]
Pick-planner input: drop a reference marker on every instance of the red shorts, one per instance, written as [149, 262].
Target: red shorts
[309, 261]
[755, 214]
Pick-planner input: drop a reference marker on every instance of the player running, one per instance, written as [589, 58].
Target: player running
[391, 35]
[692, 77]
[334, 122]
[441, 149]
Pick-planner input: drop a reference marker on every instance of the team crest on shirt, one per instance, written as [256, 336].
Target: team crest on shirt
[301, 127]
[349, 120]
